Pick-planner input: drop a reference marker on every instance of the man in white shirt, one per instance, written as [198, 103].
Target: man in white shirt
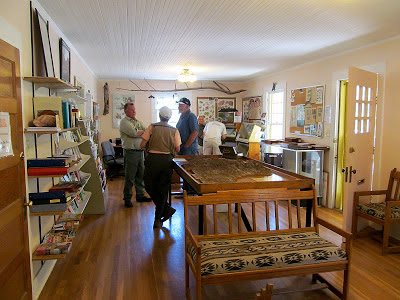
[214, 132]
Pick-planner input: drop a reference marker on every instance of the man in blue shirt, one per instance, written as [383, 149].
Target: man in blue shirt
[188, 128]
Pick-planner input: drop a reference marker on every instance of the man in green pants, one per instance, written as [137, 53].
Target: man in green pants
[131, 130]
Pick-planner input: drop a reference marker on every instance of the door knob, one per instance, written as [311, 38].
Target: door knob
[354, 171]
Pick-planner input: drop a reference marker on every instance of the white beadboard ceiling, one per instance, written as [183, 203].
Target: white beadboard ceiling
[219, 39]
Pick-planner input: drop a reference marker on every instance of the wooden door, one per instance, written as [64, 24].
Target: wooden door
[15, 274]
[359, 137]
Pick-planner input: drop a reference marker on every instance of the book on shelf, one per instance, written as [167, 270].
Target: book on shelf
[48, 195]
[73, 186]
[47, 162]
[66, 117]
[53, 248]
[74, 207]
[50, 201]
[67, 216]
[67, 225]
[46, 171]
[55, 207]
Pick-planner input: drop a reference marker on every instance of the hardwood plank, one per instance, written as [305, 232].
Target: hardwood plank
[119, 256]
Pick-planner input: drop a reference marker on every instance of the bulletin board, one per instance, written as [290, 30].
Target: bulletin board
[307, 111]
[209, 106]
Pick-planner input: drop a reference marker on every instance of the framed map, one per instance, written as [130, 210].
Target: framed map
[209, 106]
[118, 102]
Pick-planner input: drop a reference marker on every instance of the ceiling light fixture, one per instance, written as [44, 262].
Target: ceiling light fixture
[187, 76]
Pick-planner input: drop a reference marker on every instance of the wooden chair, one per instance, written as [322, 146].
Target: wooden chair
[279, 245]
[266, 293]
[384, 213]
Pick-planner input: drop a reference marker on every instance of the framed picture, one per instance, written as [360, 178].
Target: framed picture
[245, 109]
[206, 108]
[118, 103]
[65, 62]
[44, 33]
[226, 102]
[81, 85]
[209, 106]
[253, 108]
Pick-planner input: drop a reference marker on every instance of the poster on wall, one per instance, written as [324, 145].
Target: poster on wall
[252, 108]
[118, 103]
[6, 148]
[206, 108]
[245, 109]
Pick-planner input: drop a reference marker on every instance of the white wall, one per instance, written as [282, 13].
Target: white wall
[143, 103]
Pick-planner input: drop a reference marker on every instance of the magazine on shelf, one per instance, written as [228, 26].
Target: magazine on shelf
[53, 248]
[61, 236]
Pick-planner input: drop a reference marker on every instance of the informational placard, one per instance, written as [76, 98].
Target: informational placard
[6, 148]
[307, 110]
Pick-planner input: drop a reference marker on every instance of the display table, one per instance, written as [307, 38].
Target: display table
[241, 180]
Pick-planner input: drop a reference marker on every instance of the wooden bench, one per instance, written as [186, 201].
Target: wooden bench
[279, 246]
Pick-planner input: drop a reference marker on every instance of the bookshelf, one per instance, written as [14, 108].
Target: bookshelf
[50, 83]
[89, 199]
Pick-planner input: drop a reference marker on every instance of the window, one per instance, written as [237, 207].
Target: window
[169, 101]
[275, 118]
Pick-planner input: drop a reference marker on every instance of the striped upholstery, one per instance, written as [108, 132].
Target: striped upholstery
[261, 252]
[378, 210]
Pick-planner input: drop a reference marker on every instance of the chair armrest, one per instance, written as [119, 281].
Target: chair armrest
[359, 194]
[192, 239]
[391, 203]
[347, 235]
[109, 158]
[367, 193]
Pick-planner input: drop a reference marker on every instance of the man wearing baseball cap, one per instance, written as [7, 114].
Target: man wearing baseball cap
[188, 128]
[162, 142]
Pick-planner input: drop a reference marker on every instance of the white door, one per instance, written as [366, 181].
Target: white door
[359, 137]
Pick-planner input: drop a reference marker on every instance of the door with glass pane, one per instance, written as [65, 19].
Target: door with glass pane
[359, 137]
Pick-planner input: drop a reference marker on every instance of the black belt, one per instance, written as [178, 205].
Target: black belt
[139, 150]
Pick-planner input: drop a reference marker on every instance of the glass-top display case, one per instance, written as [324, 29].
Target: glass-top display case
[308, 162]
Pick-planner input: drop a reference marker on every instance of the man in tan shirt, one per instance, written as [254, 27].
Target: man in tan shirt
[131, 130]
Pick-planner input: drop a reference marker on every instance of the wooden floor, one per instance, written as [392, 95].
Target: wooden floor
[119, 256]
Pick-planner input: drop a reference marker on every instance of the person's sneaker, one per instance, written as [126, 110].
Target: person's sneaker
[143, 199]
[128, 203]
[168, 214]
[157, 223]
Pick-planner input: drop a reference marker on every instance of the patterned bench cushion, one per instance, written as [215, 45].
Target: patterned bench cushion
[378, 210]
[221, 256]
